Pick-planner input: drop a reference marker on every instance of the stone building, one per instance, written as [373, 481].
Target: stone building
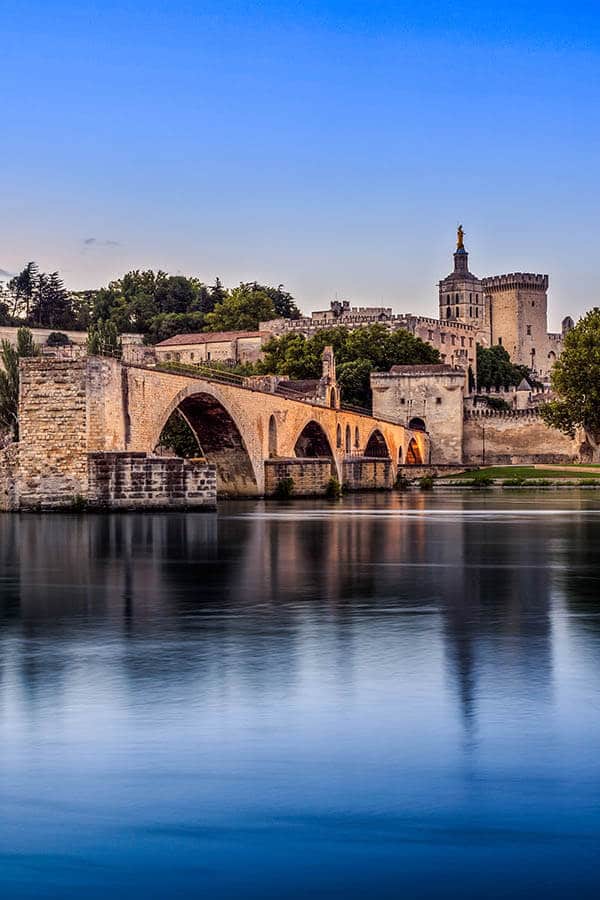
[218, 346]
[430, 398]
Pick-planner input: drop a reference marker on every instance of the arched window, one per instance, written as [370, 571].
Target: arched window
[348, 439]
[448, 299]
[356, 438]
[448, 313]
[457, 312]
[417, 424]
[339, 437]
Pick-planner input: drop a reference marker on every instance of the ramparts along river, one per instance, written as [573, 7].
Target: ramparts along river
[395, 696]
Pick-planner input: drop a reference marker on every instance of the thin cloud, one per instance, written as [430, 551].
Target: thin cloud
[92, 242]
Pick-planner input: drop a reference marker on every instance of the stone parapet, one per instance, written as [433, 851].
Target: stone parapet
[515, 280]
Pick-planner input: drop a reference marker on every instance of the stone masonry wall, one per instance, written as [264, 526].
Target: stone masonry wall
[515, 438]
[310, 476]
[52, 433]
[9, 462]
[364, 474]
[137, 481]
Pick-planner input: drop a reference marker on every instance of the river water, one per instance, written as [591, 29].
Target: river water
[388, 696]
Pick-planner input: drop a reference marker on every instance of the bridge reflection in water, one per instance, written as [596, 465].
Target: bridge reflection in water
[394, 690]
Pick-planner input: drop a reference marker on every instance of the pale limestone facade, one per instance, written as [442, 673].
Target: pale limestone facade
[430, 397]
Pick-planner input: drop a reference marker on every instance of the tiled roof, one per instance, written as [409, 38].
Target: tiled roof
[210, 337]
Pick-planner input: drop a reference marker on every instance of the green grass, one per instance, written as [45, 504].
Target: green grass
[526, 473]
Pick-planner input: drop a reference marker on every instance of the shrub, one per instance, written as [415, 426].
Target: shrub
[518, 481]
[79, 503]
[481, 480]
[58, 339]
[284, 489]
[426, 483]
[333, 489]
[401, 483]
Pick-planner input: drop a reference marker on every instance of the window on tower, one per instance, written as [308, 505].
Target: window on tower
[457, 312]
[471, 311]
[529, 329]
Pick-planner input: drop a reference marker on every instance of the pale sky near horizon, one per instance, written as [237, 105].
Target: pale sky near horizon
[329, 146]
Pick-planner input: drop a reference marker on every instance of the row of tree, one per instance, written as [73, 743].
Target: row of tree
[154, 304]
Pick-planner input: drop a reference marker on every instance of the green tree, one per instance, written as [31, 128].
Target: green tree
[575, 379]
[358, 353]
[22, 289]
[179, 437]
[103, 339]
[283, 302]
[495, 369]
[241, 310]
[166, 325]
[9, 379]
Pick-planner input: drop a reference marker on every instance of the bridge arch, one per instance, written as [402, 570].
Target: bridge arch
[219, 435]
[313, 441]
[377, 445]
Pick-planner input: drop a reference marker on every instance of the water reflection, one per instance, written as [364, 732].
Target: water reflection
[393, 673]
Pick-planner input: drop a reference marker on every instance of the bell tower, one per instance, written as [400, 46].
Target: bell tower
[461, 294]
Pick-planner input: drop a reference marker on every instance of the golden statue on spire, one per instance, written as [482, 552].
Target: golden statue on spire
[460, 238]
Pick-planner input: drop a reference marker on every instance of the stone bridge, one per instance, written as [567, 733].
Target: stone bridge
[91, 427]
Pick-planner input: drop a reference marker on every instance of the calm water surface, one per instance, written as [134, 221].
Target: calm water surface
[392, 696]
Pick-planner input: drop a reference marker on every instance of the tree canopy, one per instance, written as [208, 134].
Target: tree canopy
[9, 380]
[154, 304]
[575, 379]
[358, 353]
[495, 369]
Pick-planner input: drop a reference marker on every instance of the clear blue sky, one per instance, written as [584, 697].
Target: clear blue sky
[332, 146]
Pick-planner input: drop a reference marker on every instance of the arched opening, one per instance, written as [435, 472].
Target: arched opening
[332, 398]
[339, 437]
[178, 439]
[348, 439]
[219, 440]
[417, 424]
[312, 442]
[399, 456]
[272, 437]
[413, 454]
[376, 446]
[356, 438]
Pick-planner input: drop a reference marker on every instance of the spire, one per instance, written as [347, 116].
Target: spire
[461, 257]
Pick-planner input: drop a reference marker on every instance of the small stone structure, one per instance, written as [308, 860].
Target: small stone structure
[427, 397]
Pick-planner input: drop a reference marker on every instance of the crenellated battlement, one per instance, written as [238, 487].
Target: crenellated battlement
[502, 413]
[515, 280]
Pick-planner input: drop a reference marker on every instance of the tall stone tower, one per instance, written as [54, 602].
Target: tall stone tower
[519, 317]
[461, 294]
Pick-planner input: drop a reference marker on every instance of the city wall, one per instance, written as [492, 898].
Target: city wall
[519, 437]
